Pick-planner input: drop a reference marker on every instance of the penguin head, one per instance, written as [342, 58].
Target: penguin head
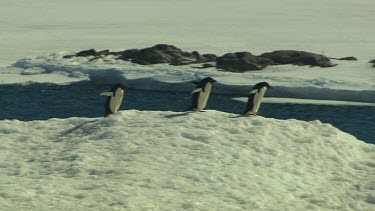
[260, 85]
[117, 86]
[203, 82]
[208, 80]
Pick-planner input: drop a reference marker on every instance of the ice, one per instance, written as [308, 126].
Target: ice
[342, 28]
[340, 83]
[44, 33]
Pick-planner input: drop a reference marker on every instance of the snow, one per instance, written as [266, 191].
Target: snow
[342, 28]
[164, 160]
[155, 160]
[14, 75]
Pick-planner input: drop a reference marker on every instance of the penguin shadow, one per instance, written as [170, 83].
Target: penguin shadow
[240, 116]
[67, 132]
[177, 115]
[226, 103]
[147, 100]
[221, 103]
[177, 102]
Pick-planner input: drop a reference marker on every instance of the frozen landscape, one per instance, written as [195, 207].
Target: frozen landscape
[58, 155]
[150, 160]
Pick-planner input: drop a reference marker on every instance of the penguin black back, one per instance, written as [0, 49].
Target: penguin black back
[201, 93]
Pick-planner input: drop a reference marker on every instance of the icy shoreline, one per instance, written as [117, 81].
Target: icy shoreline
[350, 81]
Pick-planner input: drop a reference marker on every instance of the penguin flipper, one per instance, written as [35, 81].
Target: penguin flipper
[108, 94]
[197, 90]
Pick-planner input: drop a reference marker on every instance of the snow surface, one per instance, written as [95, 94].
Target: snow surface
[150, 160]
[336, 28]
[154, 160]
[307, 101]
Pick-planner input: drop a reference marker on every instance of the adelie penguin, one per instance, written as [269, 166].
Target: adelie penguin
[201, 93]
[114, 99]
[255, 98]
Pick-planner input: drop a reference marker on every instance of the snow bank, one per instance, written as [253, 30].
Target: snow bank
[350, 81]
[138, 160]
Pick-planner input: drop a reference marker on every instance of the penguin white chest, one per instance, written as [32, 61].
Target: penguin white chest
[203, 96]
[258, 99]
[116, 100]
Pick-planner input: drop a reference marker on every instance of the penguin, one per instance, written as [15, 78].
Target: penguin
[114, 99]
[256, 97]
[201, 93]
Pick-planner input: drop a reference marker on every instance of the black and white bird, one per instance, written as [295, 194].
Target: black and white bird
[201, 93]
[114, 99]
[256, 97]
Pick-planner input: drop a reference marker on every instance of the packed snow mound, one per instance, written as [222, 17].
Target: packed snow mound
[346, 82]
[138, 160]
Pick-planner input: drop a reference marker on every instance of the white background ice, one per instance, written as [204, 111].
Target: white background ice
[337, 28]
[334, 28]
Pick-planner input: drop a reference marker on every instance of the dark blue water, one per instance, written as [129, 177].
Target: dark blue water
[45, 101]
